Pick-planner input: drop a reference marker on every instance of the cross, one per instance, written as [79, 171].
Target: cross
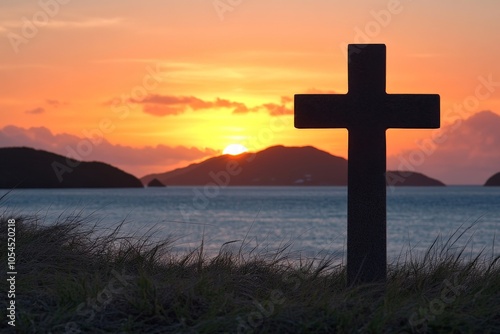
[367, 111]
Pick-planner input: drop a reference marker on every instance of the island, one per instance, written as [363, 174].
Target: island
[23, 167]
[493, 181]
[410, 179]
[155, 183]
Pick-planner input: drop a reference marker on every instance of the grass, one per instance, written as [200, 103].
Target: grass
[76, 278]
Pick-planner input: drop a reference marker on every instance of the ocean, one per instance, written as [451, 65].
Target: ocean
[312, 220]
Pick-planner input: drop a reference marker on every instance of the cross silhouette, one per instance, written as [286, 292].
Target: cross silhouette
[367, 111]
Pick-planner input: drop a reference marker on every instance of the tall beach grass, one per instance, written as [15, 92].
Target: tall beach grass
[74, 277]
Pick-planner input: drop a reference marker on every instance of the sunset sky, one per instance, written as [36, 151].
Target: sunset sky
[156, 85]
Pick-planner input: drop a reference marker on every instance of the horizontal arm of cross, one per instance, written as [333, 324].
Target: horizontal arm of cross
[354, 111]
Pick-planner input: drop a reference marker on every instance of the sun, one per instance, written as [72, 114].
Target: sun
[234, 149]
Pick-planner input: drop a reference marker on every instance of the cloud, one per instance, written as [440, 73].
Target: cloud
[84, 23]
[35, 111]
[465, 152]
[319, 91]
[163, 105]
[168, 105]
[55, 103]
[40, 110]
[427, 55]
[276, 109]
[139, 161]
[286, 105]
[93, 22]
[286, 99]
[285, 108]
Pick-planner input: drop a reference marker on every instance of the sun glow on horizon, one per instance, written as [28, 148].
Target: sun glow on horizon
[234, 149]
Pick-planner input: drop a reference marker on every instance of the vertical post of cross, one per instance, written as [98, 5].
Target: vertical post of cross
[366, 194]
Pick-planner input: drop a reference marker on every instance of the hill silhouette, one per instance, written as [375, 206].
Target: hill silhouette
[155, 183]
[277, 165]
[493, 180]
[411, 179]
[23, 167]
[274, 166]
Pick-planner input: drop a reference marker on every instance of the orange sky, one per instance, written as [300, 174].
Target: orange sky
[188, 78]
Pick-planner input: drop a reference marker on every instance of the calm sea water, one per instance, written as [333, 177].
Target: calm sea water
[313, 219]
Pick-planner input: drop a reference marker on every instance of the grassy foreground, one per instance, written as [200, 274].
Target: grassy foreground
[73, 278]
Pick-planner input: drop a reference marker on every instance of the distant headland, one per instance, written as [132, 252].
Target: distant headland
[23, 167]
[493, 180]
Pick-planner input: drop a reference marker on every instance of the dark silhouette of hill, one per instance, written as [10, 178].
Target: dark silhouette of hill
[23, 167]
[493, 180]
[155, 183]
[274, 166]
[277, 166]
[407, 179]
